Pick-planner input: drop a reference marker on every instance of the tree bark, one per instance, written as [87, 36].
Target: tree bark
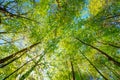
[105, 54]
[80, 74]
[113, 16]
[110, 44]
[5, 64]
[20, 67]
[73, 72]
[13, 55]
[94, 66]
[31, 69]
[115, 73]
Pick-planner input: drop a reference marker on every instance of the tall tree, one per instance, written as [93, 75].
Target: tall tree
[59, 29]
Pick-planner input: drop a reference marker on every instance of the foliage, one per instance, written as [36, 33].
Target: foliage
[59, 39]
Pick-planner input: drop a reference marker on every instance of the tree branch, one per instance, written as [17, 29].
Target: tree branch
[110, 44]
[12, 15]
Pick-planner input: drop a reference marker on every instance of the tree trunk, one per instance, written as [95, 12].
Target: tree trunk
[94, 67]
[115, 73]
[5, 64]
[13, 55]
[73, 72]
[81, 78]
[20, 67]
[31, 69]
[110, 44]
[105, 54]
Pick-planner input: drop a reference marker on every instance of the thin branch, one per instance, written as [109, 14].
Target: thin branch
[9, 42]
[11, 14]
[110, 44]
[5, 32]
[116, 15]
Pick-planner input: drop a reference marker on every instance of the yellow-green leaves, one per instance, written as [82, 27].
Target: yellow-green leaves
[95, 6]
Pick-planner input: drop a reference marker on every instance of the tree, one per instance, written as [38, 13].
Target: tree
[59, 39]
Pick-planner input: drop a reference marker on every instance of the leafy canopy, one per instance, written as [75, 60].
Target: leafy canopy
[59, 40]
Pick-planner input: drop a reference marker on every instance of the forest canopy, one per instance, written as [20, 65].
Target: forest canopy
[59, 39]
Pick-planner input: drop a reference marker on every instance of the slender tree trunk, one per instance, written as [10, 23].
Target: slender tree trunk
[110, 44]
[105, 54]
[94, 66]
[5, 64]
[113, 45]
[13, 55]
[20, 67]
[81, 78]
[73, 72]
[115, 73]
[28, 72]
[116, 15]
[31, 69]
[16, 70]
